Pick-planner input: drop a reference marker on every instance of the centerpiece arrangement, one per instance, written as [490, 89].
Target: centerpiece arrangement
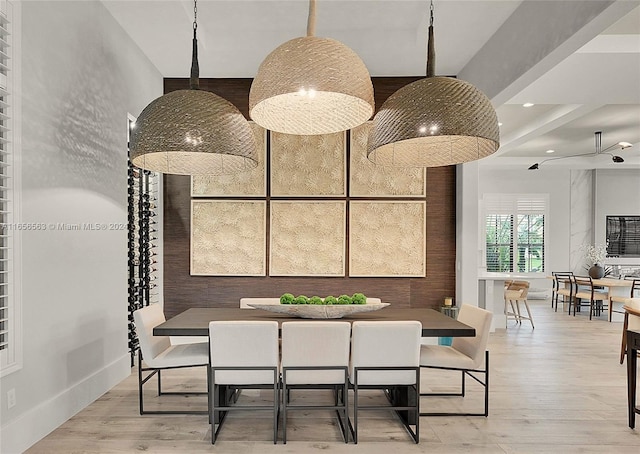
[316, 307]
[595, 255]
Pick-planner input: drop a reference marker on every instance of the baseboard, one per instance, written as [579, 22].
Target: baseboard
[20, 434]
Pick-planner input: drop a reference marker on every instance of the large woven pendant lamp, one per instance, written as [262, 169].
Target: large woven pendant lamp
[310, 86]
[433, 122]
[193, 132]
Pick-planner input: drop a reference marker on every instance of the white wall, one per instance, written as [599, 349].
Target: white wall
[81, 74]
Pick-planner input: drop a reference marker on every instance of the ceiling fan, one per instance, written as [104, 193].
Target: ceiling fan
[599, 151]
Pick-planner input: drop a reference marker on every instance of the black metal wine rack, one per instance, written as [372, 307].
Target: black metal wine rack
[142, 228]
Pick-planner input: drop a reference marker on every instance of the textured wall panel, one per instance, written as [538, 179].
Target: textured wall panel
[308, 165]
[307, 238]
[228, 238]
[387, 239]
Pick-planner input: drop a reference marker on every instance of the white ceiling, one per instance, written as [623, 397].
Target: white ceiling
[595, 88]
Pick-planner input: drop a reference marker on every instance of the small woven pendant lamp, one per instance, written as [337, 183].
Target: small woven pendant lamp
[432, 122]
[193, 132]
[310, 86]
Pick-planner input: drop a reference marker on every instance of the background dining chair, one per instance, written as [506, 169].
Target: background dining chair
[159, 354]
[631, 321]
[563, 285]
[585, 290]
[634, 291]
[243, 354]
[386, 355]
[315, 355]
[516, 292]
[465, 354]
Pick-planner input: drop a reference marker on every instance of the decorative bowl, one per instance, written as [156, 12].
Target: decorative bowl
[320, 310]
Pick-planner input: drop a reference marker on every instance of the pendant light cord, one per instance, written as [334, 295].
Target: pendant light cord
[311, 21]
[431, 50]
[194, 81]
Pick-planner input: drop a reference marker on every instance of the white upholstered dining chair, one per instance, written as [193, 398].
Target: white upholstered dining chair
[386, 355]
[157, 354]
[243, 354]
[315, 355]
[466, 354]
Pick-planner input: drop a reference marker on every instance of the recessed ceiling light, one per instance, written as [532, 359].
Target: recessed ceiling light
[625, 144]
[528, 104]
[550, 151]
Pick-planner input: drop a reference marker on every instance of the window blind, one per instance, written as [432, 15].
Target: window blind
[514, 231]
[6, 187]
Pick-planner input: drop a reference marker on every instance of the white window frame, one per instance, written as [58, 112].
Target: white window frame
[514, 205]
[11, 358]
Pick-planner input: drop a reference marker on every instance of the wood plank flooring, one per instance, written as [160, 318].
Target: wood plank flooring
[556, 389]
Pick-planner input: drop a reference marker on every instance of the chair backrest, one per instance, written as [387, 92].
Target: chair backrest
[315, 343]
[634, 320]
[385, 344]
[561, 278]
[474, 347]
[243, 344]
[635, 288]
[244, 302]
[145, 319]
[516, 290]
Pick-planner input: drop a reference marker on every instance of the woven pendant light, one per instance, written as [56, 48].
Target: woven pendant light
[310, 86]
[193, 132]
[434, 122]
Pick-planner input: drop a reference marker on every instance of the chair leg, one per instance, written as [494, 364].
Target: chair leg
[610, 309]
[355, 413]
[212, 411]
[140, 382]
[485, 413]
[276, 410]
[285, 402]
[526, 305]
[623, 348]
[486, 383]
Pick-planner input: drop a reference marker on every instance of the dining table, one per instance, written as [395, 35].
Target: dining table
[195, 322]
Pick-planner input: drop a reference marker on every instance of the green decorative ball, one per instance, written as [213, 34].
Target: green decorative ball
[359, 298]
[344, 299]
[330, 300]
[287, 298]
[315, 300]
[301, 299]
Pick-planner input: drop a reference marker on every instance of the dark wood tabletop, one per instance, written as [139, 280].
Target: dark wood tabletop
[195, 321]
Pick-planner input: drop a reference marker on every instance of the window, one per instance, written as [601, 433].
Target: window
[514, 232]
[10, 339]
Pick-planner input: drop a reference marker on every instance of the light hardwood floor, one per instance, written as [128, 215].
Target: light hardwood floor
[556, 389]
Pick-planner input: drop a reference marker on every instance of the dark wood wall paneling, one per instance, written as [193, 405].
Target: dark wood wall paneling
[182, 291]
